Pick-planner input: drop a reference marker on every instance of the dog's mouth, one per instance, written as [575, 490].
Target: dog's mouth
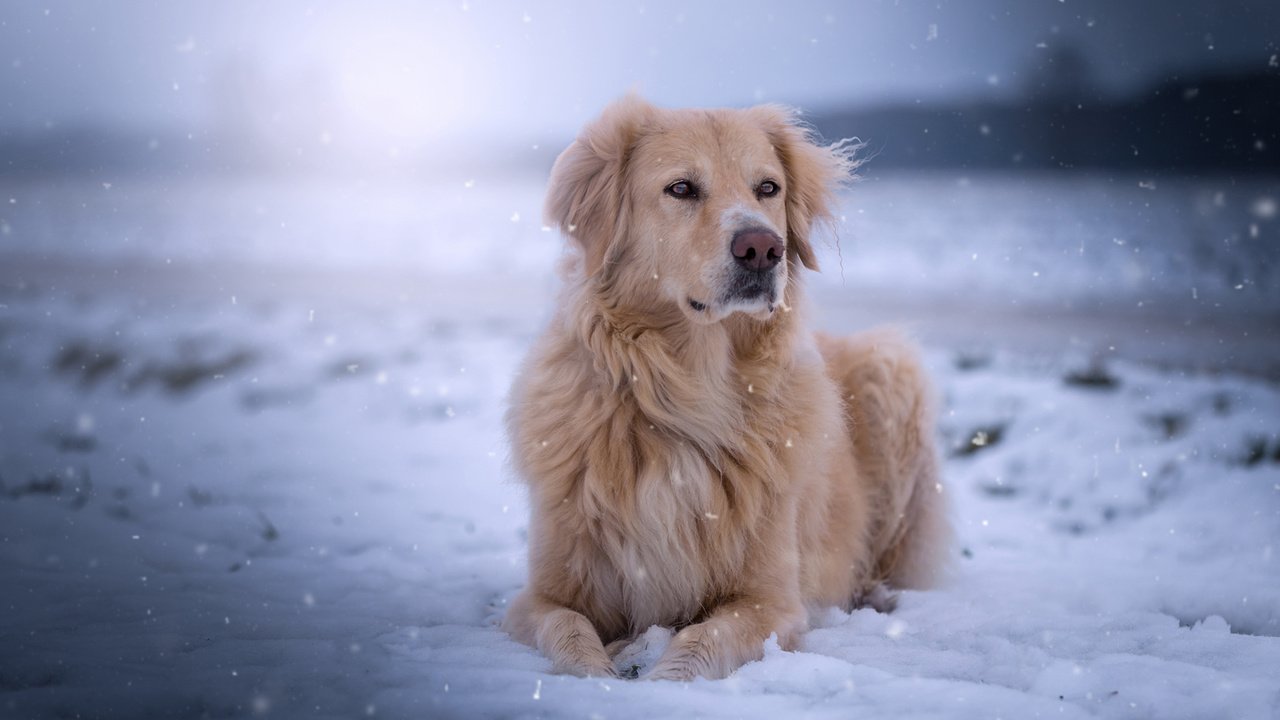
[760, 303]
[753, 293]
[753, 287]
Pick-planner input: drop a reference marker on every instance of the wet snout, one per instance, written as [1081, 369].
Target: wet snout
[756, 249]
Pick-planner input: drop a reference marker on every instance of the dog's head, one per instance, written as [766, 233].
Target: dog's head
[711, 210]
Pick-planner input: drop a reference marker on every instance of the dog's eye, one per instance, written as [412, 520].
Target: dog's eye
[682, 189]
[768, 188]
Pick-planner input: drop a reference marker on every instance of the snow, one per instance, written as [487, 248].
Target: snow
[252, 459]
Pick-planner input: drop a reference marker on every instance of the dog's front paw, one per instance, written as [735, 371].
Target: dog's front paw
[671, 670]
[693, 652]
[585, 668]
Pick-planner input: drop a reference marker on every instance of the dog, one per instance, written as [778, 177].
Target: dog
[696, 457]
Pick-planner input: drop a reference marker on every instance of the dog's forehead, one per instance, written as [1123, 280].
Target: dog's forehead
[707, 137]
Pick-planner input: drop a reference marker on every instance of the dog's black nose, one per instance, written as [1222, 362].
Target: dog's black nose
[756, 249]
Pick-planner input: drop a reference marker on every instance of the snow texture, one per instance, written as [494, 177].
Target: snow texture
[252, 460]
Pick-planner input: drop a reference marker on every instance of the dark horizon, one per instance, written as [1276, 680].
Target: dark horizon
[415, 88]
[1216, 120]
[1212, 121]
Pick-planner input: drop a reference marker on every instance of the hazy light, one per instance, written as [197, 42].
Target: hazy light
[401, 85]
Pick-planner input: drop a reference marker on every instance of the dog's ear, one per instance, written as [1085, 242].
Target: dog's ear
[585, 195]
[813, 174]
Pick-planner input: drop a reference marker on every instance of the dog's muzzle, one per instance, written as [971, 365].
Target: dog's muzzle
[756, 253]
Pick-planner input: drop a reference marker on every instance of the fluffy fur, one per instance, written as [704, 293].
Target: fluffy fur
[696, 457]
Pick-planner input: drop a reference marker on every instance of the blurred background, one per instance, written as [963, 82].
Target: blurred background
[435, 88]
[1057, 154]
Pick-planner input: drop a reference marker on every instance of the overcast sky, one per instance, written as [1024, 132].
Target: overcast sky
[434, 71]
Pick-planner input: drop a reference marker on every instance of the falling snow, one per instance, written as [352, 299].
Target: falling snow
[302, 499]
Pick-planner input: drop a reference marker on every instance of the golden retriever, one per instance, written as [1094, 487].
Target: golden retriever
[696, 457]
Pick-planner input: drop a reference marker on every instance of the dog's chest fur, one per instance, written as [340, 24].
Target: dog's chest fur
[644, 510]
[678, 544]
[673, 520]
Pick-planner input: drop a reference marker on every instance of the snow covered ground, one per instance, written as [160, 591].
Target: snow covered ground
[252, 463]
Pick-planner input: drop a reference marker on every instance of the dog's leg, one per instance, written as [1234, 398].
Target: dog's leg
[892, 425]
[920, 558]
[733, 635]
[563, 635]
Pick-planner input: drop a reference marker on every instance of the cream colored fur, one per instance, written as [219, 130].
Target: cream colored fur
[722, 470]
